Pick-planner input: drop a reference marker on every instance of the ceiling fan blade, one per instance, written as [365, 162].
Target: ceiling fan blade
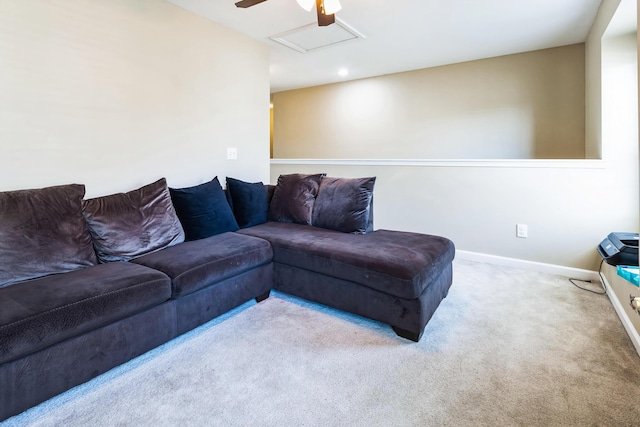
[323, 20]
[248, 3]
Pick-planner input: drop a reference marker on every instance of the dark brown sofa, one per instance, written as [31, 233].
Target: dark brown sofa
[61, 328]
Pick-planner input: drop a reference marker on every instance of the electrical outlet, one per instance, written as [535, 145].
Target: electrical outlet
[522, 231]
[232, 153]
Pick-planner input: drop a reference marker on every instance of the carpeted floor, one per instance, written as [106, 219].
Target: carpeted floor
[507, 347]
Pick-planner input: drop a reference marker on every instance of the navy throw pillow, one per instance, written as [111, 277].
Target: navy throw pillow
[249, 202]
[203, 210]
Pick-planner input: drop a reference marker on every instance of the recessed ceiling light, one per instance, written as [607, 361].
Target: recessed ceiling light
[343, 72]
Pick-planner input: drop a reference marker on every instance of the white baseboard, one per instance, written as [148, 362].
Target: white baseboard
[576, 273]
[624, 317]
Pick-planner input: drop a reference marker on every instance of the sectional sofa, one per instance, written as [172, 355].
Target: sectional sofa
[86, 285]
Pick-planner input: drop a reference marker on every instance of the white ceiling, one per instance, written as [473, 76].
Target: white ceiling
[403, 35]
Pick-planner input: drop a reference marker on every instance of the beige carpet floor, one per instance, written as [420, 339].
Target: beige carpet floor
[507, 347]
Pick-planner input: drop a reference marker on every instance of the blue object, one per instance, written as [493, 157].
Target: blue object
[249, 202]
[629, 273]
[203, 210]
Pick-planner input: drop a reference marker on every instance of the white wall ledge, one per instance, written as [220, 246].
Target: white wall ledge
[479, 163]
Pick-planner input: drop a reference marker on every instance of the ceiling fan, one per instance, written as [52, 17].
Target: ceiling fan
[326, 9]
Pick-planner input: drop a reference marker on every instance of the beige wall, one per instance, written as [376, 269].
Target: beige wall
[569, 206]
[478, 207]
[593, 77]
[529, 105]
[117, 93]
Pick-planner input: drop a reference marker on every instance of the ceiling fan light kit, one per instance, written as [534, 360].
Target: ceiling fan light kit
[306, 4]
[325, 8]
[331, 6]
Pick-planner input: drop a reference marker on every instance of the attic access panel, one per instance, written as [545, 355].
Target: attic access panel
[311, 37]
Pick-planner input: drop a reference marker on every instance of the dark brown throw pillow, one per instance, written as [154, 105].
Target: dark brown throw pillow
[42, 232]
[344, 204]
[128, 225]
[293, 198]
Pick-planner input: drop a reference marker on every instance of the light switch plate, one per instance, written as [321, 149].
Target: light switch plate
[522, 231]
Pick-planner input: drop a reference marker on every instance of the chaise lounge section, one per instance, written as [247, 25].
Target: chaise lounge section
[394, 277]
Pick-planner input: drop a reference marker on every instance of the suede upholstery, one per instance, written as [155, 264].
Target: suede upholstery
[41, 312]
[408, 314]
[203, 210]
[124, 226]
[294, 197]
[42, 232]
[344, 204]
[396, 263]
[39, 376]
[270, 190]
[249, 202]
[207, 303]
[195, 265]
[64, 329]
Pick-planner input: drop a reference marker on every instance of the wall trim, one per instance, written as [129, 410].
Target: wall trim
[624, 317]
[576, 273]
[478, 163]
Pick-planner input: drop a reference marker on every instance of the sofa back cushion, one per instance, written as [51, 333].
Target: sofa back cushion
[294, 197]
[203, 210]
[344, 204]
[42, 232]
[249, 201]
[124, 226]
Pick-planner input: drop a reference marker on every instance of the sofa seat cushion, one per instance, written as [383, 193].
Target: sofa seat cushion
[201, 263]
[40, 312]
[394, 262]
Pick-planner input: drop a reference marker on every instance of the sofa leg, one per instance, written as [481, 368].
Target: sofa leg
[263, 297]
[413, 336]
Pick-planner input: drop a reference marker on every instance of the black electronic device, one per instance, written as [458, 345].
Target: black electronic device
[619, 249]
